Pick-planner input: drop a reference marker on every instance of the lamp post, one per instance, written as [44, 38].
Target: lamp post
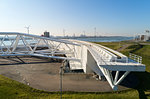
[61, 68]
[61, 78]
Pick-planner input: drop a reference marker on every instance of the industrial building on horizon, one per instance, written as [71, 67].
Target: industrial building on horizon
[143, 37]
[46, 34]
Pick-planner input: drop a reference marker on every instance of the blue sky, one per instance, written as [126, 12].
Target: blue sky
[110, 17]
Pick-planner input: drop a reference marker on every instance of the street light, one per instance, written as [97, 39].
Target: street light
[61, 68]
[61, 77]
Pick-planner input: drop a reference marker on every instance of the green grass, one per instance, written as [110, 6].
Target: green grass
[113, 45]
[10, 89]
[143, 50]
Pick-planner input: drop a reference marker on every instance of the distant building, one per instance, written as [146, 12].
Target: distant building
[46, 34]
[142, 38]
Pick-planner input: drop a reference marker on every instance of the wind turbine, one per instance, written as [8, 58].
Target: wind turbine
[28, 28]
[64, 32]
[95, 31]
[84, 33]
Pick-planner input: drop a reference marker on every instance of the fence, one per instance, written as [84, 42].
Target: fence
[135, 57]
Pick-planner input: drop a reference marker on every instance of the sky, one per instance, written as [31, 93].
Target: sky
[109, 17]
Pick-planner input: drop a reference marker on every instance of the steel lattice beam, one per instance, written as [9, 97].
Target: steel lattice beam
[81, 54]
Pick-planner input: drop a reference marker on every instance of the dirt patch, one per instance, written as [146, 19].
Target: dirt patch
[123, 47]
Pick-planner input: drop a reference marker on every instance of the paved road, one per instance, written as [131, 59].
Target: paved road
[44, 75]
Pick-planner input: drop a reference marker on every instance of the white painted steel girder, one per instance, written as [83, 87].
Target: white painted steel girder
[81, 54]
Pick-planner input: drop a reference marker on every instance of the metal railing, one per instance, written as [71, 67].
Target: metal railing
[135, 57]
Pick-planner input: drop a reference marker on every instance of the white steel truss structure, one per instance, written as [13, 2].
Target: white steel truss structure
[80, 54]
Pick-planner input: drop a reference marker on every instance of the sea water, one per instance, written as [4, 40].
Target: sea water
[90, 39]
[105, 39]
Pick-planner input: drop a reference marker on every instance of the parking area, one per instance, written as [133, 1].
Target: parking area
[44, 74]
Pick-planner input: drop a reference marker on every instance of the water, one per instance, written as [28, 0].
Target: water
[105, 39]
[92, 39]
[8, 43]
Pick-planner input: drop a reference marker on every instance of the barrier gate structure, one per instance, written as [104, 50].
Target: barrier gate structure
[89, 57]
